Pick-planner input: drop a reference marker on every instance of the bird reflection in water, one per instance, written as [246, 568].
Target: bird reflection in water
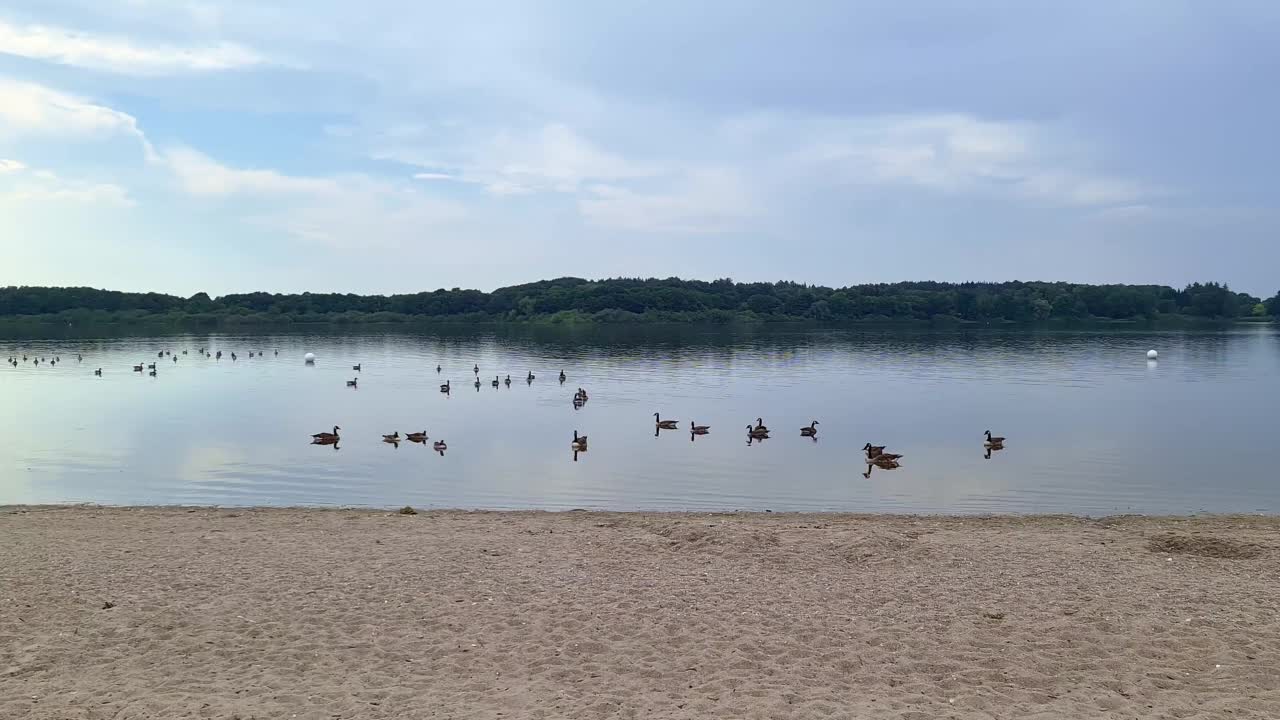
[326, 441]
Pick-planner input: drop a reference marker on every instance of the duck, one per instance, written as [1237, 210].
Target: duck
[579, 441]
[698, 429]
[993, 441]
[393, 437]
[416, 437]
[327, 435]
[98, 372]
[810, 431]
[352, 382]
[757, 432]
[355, 367]
[439, 446]
[495, 382]
[664, 424]
[445, 387]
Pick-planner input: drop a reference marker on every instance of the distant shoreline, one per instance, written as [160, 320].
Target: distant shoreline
[167, 612]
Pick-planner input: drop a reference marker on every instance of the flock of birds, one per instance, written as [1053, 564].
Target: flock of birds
[876, 455]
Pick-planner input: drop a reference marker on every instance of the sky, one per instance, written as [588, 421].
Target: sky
[381, 146]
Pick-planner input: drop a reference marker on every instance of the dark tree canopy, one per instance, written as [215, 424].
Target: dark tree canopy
[629, 299]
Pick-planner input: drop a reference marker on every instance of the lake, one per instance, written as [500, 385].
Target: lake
[1093, 427]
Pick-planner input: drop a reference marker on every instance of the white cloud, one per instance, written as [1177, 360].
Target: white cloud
[432, 176]
[25, 185]
[704, 201]
[31, 109]
[119, 55]
[351, 210]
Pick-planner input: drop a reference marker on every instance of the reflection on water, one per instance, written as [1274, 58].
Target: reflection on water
[1092, 426]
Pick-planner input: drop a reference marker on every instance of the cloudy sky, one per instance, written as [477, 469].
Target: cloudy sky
[384, 146]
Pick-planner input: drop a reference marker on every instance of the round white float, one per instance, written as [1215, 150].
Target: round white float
[1152, 354]
[310, 358]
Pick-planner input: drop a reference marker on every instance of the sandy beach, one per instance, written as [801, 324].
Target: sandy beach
[208, 613]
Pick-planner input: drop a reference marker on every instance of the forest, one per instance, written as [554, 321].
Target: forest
[623, 300]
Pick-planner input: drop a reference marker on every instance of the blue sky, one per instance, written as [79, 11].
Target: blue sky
[225, 146]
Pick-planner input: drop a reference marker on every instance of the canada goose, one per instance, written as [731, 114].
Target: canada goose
[579, 441]
[445, 387]
[218, 356]
[507, 381]
[994, 440]
[355, 367]
[760, 425]
[437, 368]
[664, 424]
[184, 352]
[873, 450]
[416, 437]
[160, 354]
[393, 437]
[563, 377]
[582, 394]
[352, 382]
[175, 358]
[151, 366]
[250, 353]
[530, 376]
[495, 382]
[439, 446]
[883, 461]
[277, 353]
[699, 429]
[152, 373]
[233, 357]
[98, 372]
[79, 357]
[477, 383]
[327, 435]
[810, 431]
[137, 368]
[757, 433]
[476, 369]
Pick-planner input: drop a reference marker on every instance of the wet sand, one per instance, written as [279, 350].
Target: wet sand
[175, 613]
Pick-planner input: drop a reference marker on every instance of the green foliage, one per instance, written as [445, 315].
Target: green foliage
[631, 300]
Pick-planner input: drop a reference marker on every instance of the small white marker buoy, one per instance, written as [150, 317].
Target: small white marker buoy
[310, 358]
[1152, 354]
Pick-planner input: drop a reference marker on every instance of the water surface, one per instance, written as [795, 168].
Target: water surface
[1093, 427]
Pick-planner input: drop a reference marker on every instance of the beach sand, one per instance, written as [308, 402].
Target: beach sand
[322, 614]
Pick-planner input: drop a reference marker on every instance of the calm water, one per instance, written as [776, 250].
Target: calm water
[1093, 427]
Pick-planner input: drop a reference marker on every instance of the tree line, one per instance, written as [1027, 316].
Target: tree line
[672, 299]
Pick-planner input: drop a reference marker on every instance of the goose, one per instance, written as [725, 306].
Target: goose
[277, 353]
[184, 352]
[994, 440]
[757, 432]
[445, 387]
[218, 356]
[416, 436]
[437, 368]
[495, 382]
[873, 450]
[810, 431]
[476, 369]
[439, 446]
[579, 441]
[393, 437]
[699, 429]
[582, 394]
[98, 372]
[664, 424]
[563, 377]
[250, 353]
[175, 358]
[79, 357]
[507, 382]
[356, 367]
[137, 368]
[160, 354]
[352, 382]
[151, 366]
[477, 383]
[152, 373]
[883, 461]
[760, 425]
[530, 376]
[233, 357]
[327, 435]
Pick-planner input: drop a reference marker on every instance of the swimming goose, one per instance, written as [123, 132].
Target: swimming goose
[579, 441]
[994, 440]
[352, 382]
[355, 367]
[507, 382]
[760, 425]
[699, 429]
[437, 368]
[151, 366]
[495, 382]
[757, 432]
[477, 383]
[416, 436]
[393, 437]
[445, 387]
[664, 424]
[476, 369]
[327, 435]
[563, 377]
[98, 372]
[810, 431]
[137, 368]
[873, 450]
[530, 377]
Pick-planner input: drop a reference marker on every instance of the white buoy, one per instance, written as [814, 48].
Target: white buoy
[1152, 354]
[310, 358]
